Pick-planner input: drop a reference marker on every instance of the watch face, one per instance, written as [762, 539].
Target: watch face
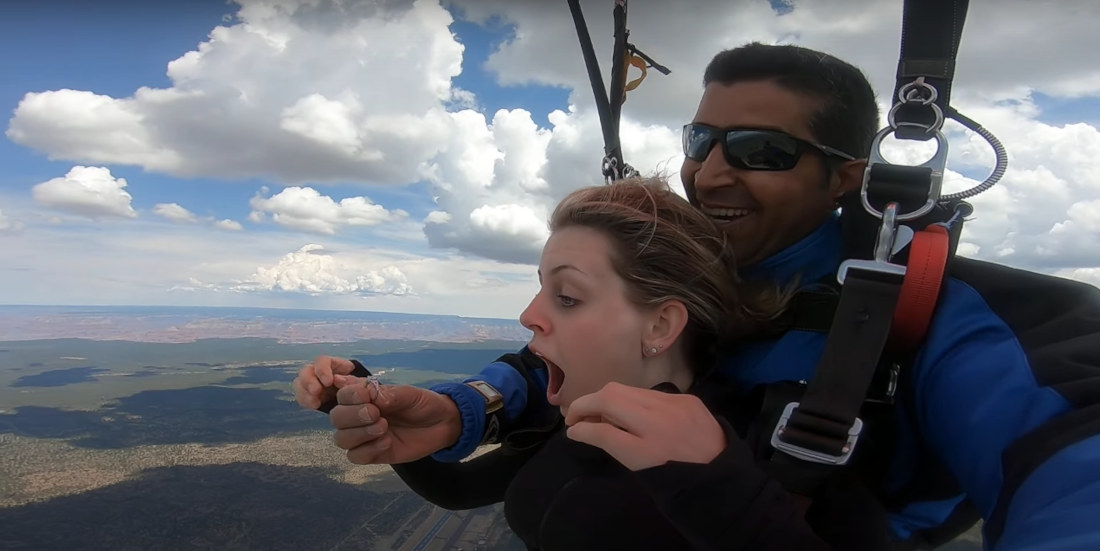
[486, 390]
[494, 400]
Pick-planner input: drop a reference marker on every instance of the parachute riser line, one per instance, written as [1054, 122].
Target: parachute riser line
[595, 78]
[609, 105]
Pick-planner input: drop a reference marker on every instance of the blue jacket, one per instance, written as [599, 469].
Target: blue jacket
[1006, 394]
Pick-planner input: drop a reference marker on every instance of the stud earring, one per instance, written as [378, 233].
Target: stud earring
[653, 350]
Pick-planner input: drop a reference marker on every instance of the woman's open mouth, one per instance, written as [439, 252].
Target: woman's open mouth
[555, 380]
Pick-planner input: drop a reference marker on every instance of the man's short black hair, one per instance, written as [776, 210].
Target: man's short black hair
[848, 117]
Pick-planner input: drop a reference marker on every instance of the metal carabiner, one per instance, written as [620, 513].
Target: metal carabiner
[938, 164]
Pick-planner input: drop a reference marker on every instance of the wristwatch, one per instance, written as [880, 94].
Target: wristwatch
[494, 409]
[494, 400]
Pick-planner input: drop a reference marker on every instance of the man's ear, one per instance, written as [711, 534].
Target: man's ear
[667, 322]
[847, 177]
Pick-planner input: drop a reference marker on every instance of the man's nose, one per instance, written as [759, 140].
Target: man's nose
[714, 171]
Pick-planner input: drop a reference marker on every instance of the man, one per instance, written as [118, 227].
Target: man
[999, 408]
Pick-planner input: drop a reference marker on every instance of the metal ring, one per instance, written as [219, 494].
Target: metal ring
[907, 91]
[936, 125]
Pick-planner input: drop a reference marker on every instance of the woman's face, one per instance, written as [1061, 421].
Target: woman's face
[584, 327]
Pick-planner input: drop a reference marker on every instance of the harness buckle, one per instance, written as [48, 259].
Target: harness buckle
[937, 164]
[807, 454]
[885, 246]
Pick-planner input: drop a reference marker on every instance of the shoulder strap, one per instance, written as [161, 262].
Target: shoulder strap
[883, 306]
[930, 36]
[885, 303]
[824, 427]
[920, 289]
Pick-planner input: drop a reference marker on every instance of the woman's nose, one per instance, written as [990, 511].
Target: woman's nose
[532, 318]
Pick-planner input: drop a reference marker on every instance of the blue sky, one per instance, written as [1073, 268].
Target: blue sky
[110, 49]
[116, 47]
[476, 191]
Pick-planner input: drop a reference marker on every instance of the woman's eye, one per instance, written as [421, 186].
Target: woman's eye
[567, 301]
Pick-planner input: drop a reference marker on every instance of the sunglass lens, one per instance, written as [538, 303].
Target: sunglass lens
[698, 140]
[761, 150]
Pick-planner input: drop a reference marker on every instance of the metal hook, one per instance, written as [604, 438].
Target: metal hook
[884, 245]
[884, 248]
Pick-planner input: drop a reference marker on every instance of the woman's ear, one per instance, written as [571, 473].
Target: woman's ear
[667, 322]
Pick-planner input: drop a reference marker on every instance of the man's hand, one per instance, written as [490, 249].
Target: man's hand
[398, 424]
[315, 383]
[644, 428]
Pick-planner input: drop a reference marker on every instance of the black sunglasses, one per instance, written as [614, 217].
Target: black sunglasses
[751, 149]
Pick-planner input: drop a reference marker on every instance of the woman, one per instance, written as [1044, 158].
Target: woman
[636, 287]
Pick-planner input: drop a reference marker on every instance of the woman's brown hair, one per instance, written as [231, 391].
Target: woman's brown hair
[666, 249]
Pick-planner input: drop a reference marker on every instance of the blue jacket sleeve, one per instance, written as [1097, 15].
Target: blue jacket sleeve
[517, 378]
[1007, 393]
[1058, 506]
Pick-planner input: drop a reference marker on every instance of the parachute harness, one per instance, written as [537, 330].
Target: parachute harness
[887, 303]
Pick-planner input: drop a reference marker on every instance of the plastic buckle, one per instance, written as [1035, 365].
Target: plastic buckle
[884, 249]
[814, 455]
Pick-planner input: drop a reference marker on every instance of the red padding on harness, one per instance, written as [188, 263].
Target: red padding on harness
[921, 288]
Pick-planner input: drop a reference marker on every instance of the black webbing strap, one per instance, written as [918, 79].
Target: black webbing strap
[823, 427]
[930, 35]
[608, 123]
[618, 72]
[812, 311]
[908, 186]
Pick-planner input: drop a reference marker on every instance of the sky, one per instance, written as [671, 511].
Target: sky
[403, 156]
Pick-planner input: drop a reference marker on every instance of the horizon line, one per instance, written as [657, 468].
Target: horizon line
[253, 308]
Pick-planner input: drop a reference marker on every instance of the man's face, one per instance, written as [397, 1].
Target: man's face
[763, 212]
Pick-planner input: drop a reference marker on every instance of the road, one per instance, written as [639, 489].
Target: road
[427, 539]
[447, 530]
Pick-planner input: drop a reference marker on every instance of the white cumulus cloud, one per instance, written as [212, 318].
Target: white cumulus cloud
[87, 191]
[227, 224]
[304, 208]
[497, 183]
[312, 271]
[174, 212]
[292, 90]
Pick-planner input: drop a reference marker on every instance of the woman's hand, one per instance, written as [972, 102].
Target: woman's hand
[389, 424]
[644, 428]
[316, 382]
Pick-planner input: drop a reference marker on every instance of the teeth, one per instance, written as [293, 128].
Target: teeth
[725, 213]
[541, 357]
